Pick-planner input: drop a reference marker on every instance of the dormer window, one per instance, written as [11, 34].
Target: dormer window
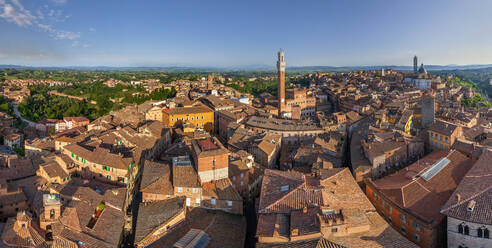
[284, 188]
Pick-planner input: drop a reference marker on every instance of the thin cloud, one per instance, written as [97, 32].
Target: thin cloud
[92, 29]
[40, 14]
[19, 16]
[15, 12]
[45, 27]
[59, 1]
[66, 35]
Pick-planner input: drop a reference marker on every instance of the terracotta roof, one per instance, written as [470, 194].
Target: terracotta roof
[311, 243]
[443, 127]
[221, 189]
[53, 169]
[185, 176]
[80, 210]
[156, 178]
[237, 167]
[305, 222]
[341, 191]
[203, 148]
[224, 230]
[152, 215]
[188, 110]
[19, 168]
[475, 186]
[100, 156]
[410, 190]
[270, 188]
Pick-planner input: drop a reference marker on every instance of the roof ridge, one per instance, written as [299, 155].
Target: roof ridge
[338, 172]
[285, 196]
[467, 199]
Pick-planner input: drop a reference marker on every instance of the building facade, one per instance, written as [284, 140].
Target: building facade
[199, 116]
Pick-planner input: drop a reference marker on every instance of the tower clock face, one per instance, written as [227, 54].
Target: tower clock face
[282, 100]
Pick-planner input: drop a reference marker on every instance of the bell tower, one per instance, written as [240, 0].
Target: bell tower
[281, 81]
[52, 210]
[415, 65]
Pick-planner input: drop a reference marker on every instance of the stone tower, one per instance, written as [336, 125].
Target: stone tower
[52, 210]
[428, 110]
[210, 81]
[415, 65]
[281, 81]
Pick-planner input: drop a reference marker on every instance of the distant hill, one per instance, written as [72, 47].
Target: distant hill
[247, 68]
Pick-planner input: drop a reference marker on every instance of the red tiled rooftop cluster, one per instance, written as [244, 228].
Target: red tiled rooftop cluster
[207, 145]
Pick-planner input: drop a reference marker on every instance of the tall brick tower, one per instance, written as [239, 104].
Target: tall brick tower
[211, 78]
[415, 65]
[281, 81]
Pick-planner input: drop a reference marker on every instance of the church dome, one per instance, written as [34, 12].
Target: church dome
[422, 69]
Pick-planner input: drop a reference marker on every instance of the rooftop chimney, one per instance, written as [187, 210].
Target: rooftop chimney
[471, 206]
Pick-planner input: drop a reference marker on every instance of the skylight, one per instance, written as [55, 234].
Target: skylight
[284, 188]
[434, 169]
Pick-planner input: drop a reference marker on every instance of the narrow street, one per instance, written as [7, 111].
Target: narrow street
[17, 113]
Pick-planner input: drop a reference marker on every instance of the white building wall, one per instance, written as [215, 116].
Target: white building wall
[456, 239]
[207, 176]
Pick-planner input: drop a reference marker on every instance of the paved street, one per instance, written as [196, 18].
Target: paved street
[17, 113]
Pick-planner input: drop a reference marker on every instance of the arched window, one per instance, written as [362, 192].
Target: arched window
[479, 232]
[486, 233]
[467, 230]
[460, 228]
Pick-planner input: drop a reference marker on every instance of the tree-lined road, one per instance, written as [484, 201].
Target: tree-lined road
[17, 113]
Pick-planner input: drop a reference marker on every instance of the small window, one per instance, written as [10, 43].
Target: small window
[242, 175]
[403, 230]
[334, 230]
[234, 178]
[467, 230]
[479, 232]
[403, 218]
[180, 190]
[213, 201]
[242, 183]
[284, 188]
[229, 203]
[195, 190]
[486, 233]
[417, 227]
[416, 237]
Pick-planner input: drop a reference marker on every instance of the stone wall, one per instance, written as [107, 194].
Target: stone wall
[456, 239]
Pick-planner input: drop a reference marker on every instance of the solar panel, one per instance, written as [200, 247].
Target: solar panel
[434, 169]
